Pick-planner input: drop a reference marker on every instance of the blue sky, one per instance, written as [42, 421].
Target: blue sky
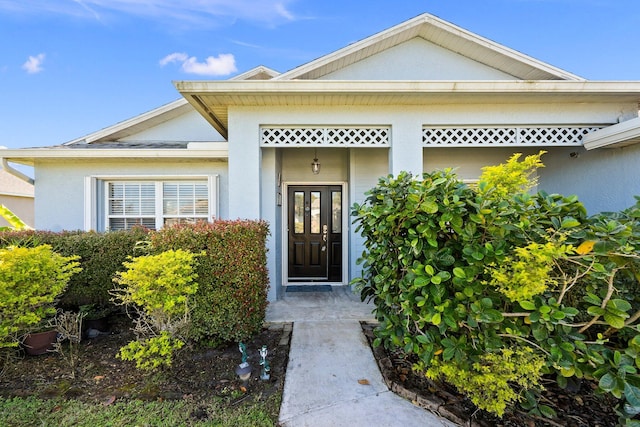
[72, 67]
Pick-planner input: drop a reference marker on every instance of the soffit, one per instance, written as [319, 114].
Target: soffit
[213, 99]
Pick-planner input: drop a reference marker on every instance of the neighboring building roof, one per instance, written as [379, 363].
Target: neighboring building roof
[14, 186]
[259, 73]
[441, 33]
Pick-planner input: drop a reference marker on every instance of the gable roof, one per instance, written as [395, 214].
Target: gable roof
[441, 33]
[136, 124]
[160, 115]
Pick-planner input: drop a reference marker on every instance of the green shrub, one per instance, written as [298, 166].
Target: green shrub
[101, 256]
[158, 287]
[32, 279]
[461, 274]
[232, 295]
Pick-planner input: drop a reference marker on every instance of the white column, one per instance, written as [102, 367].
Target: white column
[269, 214]
[244, 169]
[406, 146]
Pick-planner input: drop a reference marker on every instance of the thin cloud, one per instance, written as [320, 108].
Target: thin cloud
[207, 13]
[34, 64]
[222, 65]
[174, 57]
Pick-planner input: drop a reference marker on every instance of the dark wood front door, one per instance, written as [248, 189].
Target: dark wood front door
[315, 233]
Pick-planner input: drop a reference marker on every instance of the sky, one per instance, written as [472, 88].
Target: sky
[72, 67]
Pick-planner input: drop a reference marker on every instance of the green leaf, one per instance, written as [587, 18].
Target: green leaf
[429, 206]
[459, 272]
[547, 411]
[614, 321]
[527, 305]
[607, 382]
[570, 222]
[436, 319]
[596, 311]
[632, 394]
[429, 270]
[421, 281]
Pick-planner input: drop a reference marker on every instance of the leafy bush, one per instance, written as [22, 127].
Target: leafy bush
[158, 287]
[232, 295]
[101, 256]
[461, 275]
[31, 278]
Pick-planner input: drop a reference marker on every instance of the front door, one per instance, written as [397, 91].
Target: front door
[315, 233]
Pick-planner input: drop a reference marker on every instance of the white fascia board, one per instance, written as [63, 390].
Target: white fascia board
[624, 133]
[386, 87]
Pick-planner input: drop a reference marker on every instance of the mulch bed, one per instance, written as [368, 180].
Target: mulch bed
[197, 373]
[583, 408]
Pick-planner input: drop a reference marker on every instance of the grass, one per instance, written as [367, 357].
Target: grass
[30, 411]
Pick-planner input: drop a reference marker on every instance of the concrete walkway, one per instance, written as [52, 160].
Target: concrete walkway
[332, 377]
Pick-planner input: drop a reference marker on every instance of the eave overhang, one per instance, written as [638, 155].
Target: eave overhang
[28, 156]
[212, 99]
[614, 136]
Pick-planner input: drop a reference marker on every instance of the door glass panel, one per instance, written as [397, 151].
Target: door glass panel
[336, 211]
[298, 212]
[315, 212]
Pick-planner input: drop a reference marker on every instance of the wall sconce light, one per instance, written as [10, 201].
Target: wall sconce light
[574, 154]
[315, 165]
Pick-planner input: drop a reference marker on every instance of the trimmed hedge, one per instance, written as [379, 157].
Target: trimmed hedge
[101, 256]
[232, 279]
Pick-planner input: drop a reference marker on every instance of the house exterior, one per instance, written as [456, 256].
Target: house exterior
[298, 149]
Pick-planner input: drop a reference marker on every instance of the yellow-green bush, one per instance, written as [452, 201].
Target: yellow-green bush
[159, 288]
[30, 281]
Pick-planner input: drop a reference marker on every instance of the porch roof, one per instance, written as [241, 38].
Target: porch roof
[618, 135]
[213, 99]
[27, 156]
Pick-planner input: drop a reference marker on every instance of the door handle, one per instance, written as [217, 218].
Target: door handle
[324, 237]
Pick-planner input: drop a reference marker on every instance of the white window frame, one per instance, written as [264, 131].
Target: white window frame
[95, 209]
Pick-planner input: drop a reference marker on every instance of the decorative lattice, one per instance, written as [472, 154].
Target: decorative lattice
[496, 136]
[342, 136]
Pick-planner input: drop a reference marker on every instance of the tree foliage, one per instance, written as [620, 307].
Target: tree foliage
[484, 282]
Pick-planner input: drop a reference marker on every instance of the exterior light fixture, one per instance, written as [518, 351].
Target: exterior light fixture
[315, 165]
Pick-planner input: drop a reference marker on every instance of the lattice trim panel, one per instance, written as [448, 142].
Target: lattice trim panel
[505, 136]
[336, 137]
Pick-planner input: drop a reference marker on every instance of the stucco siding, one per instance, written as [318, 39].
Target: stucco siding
[296, 165]
[418, 59]
[190, 127]
[468, 162]
[60, 186]
[367, 167]
[604, 179]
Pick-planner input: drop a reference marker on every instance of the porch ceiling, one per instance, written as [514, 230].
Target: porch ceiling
[214, 98]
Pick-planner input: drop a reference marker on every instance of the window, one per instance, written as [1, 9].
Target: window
[154, 204]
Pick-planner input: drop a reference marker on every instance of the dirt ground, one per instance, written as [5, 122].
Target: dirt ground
[201, 373]
[195, 373]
